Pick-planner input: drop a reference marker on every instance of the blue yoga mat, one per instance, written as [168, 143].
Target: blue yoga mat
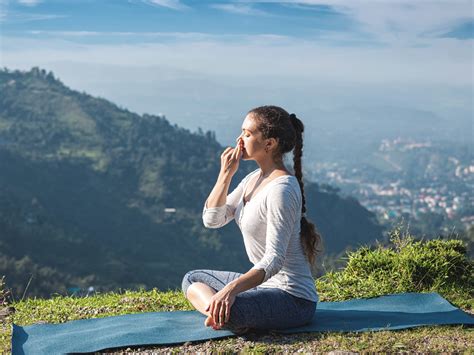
[396, 311]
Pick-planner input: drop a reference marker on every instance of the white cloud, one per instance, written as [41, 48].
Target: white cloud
[240, 9]
[175, 37]
[172, 4]
[443, 61]
[29, 2]
[27, 17]
[72, 33]
[408, 20]
[397, 21]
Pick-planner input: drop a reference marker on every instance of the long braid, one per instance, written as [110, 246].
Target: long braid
[310, 237]
[297, 154]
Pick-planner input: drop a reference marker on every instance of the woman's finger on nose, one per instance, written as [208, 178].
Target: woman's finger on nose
[226, 150]
[237, 152]
[233, 155]
[229, 152]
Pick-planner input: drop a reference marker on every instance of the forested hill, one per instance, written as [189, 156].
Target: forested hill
[84, 185]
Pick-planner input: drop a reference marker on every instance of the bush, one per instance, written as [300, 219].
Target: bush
[406, 265]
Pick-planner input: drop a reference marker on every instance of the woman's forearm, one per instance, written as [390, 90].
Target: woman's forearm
[250, 279]
[218, 195]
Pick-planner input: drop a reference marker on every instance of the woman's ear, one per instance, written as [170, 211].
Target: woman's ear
[272, 143]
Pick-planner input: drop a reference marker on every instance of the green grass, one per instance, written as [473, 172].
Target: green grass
[406, 266]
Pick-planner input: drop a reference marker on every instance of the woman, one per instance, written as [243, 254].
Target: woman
[269, 208]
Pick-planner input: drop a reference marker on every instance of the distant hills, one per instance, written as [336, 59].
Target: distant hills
[84, 185]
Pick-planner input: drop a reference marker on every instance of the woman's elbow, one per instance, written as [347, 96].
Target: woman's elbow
[210, 223]
[275, 266]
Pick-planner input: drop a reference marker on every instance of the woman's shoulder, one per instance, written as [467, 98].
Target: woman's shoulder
[283, 181]
[286, 185]
[286, 179]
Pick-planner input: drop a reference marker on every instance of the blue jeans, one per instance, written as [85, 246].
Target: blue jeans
[258, 308]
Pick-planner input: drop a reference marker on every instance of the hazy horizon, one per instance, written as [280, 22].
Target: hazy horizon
[205, 64]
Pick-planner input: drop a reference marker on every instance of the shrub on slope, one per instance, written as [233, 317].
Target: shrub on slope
[407, 265]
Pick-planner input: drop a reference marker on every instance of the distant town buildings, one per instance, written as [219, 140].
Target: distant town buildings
[445, 188]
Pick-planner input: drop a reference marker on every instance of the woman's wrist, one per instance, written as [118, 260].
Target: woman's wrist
[232, 288]
[245, 282]
[224, 177]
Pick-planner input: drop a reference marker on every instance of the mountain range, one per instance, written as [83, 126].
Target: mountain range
[92, 194]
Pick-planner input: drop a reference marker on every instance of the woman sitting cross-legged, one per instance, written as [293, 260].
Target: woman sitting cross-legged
[268, 205]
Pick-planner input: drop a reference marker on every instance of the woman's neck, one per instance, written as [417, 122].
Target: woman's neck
[269, 170]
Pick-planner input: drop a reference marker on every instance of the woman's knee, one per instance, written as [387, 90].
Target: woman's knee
[188, 280]
[191, 277]
[215, 279]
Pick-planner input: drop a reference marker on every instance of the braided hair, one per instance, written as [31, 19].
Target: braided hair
[275, 122]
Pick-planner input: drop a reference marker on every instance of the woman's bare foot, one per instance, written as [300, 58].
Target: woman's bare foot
[209, 322]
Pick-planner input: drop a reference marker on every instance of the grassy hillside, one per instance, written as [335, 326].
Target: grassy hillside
[406, 265]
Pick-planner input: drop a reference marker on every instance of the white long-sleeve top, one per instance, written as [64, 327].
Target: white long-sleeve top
[270, 225]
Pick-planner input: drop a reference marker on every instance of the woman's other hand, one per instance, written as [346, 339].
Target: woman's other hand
[219, 306]
[230, 159]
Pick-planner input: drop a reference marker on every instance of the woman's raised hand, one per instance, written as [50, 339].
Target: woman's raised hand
[230, 160]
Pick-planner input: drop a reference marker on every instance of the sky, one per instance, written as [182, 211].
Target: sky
[206, 63]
